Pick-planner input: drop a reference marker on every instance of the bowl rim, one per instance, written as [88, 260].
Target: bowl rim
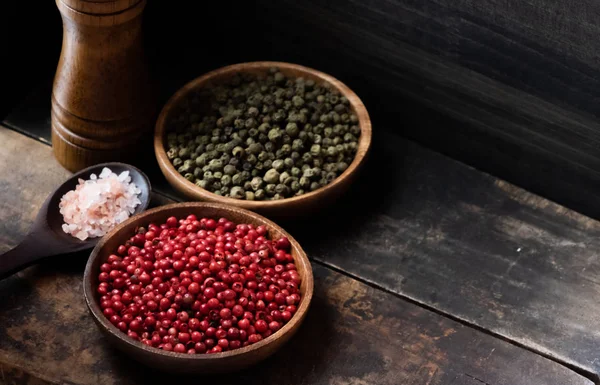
[94, 307]
[191, 190]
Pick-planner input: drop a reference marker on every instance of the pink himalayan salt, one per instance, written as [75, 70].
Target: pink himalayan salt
[97, 205]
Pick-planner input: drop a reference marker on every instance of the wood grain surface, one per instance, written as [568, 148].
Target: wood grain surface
[354, 333]
[471, 246]
[511, 87]
[429, 227]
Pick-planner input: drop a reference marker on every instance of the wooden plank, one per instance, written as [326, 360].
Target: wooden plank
[471, 246]
[518, 102]
[471, 249]
[354, 333]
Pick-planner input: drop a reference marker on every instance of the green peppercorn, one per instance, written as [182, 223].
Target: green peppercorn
[286, 149]
[262, 156]
[309, 173]
[288, 162]
[252, 112]
[302, 133]
[172, 153]
[292, 129]
[349, 138]
[298, 101]
[215, 165]
[279, 115]
[271, 176]
[279, 78]
[252, 159]
[255, 148]
[226, 180]
[275, 134]
[330, 176]
[282, 189]
[237, 192]
[284, 177]
[270, 189]
[236, 180]
[259, 194]
[315, 150]
[278, 165]
[295, 186]
[256, 183]
[314, 186]
[201, 183]
[269, 147]
[225, 158]
[264, 128]
[238, 152]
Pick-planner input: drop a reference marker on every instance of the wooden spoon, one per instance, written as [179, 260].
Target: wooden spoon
[47, 238]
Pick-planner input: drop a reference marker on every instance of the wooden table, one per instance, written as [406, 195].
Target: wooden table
[431, 273]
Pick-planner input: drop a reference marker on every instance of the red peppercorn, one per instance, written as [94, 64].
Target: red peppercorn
[199, 286]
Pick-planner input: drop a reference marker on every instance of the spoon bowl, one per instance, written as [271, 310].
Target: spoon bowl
[46, 236]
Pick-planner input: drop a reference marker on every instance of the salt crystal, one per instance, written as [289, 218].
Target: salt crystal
[123, 176]
[106, 172]
[97, 205]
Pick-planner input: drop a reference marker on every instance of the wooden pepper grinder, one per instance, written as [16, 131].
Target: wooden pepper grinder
[102, 100]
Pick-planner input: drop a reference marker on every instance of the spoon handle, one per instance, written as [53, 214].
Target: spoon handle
[30, 250]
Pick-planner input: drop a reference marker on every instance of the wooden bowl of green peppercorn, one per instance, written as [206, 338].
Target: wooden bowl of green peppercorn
[276, 138]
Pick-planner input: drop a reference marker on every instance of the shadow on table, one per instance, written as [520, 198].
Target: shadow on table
[378, 186]
[302, 360]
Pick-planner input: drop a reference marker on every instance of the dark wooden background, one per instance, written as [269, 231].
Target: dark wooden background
[509, 87]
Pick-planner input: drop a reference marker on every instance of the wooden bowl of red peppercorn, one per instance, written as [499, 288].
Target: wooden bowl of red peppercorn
[114, 244]
[302, 205]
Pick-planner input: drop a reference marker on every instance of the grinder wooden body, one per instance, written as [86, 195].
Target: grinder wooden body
[102, 99]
